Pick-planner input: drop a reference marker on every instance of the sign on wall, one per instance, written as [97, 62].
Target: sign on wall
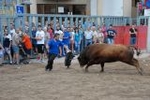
[19, 9]
[60, 9]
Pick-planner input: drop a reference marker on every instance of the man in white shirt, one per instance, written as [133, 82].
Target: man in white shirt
[60, 32]
[12, 30]
[7, 44]
[88, 36]
[40, 37]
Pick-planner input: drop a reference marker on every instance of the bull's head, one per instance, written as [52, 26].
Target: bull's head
[82, 61]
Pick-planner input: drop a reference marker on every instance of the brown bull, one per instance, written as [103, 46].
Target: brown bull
[102, 53]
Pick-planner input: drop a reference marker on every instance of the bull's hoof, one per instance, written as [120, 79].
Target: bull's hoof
[141, 71]
[101, 71]
[86, 70]
[67, 67]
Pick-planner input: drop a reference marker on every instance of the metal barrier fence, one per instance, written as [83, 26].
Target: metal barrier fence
[20, 20]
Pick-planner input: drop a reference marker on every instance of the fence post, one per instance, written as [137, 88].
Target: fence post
[148, 36]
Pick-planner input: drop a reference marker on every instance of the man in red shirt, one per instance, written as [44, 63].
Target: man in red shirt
[27, 44]
[51, 30]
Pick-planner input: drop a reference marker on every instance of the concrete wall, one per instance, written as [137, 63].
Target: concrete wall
[100, 6]
[112, 8]
[69, 2]
[62, 1]
[134, 12]
[33, 7]
[127, 8]
[95, 7]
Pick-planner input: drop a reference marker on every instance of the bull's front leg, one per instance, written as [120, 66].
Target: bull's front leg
[87, 66]
[102, 67]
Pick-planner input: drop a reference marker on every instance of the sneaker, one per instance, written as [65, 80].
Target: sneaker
[11, 63]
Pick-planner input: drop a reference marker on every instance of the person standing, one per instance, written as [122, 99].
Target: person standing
[100, 36]
[7, 45]
[54, 49]
[66, 39]
[88, 36]
[1, 54]
[27, 45]
[15, 46]
[40, 36]
[34, 41]
[111, 33]
[95, 35]
[133, 35]
[50, 30]
[61, 34]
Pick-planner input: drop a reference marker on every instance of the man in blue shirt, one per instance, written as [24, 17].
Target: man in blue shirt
[54, 49]
[34, 41]
[66, 39]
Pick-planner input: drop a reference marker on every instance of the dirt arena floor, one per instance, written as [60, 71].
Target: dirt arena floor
[118, 82]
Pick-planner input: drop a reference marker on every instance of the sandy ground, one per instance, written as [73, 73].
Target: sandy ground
[119, 82]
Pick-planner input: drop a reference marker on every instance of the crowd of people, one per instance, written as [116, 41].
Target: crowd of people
[42, 41]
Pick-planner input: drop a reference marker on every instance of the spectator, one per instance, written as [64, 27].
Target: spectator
[71, 31]
[104, 29]
[111, 33]
[87, 23]
[47, 36]
[77, 40]
[1, 54]
[34, 41]
[27, 45]
[100, 36]
[12, 30]
[40, 42]
[15, 46]
[61, 34]
[81, 33]
[7, 45]
[66, 38]
[50, 30]
[94, 34]
[88, 36]
[133, 34]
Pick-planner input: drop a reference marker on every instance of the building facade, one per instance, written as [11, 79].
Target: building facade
[72, 7]
[85, 7]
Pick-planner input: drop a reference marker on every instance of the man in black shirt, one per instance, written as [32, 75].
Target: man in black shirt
[133, 35]
[111, 33]
[7, 44]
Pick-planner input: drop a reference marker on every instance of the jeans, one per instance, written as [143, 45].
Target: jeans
[88, 42]
[132, 40]
[51, 58]
[77, 46]
[110, 40]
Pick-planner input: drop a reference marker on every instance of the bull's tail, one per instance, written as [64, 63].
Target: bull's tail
[138, 51]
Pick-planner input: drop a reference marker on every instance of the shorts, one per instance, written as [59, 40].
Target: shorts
[34, 45]
[40, 48]
[7, 51]
[28, 51]
[15, 49]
